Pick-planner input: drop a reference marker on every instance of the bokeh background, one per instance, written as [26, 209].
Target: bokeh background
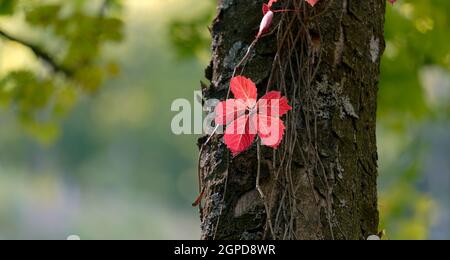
[86, 148]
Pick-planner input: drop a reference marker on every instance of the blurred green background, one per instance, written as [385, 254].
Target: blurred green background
[85, 140]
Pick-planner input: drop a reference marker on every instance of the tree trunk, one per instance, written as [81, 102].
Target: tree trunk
[321, 183]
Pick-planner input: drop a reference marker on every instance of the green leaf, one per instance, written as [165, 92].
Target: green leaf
[7, 7]
[43, 15]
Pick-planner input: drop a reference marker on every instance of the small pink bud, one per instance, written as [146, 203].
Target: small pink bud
[265, 24]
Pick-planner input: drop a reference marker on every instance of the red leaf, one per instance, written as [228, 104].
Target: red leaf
[239, 136]
[392, 1]
[245, 90]
[270, 129]
[312, 2]
[228, 110]
[249, 118]
[271, 2]
[265, 9]
[272, 104]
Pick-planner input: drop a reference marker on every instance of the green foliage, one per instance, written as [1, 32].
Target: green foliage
[75, 66]
[407, 213]
[38, 102]
[115, 159]
[416, 35]
[44, 15]
[26, 91]
[7, 7]
[190, 37]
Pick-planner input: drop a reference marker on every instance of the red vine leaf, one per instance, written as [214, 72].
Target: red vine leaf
[228, 110]
[270, 129]
[244, 89]
[245, 118]
[271, 2]
[265, 9]
[272, 104]
[312, 2]
[238, 135]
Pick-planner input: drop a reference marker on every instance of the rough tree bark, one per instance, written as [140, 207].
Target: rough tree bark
[321, 184]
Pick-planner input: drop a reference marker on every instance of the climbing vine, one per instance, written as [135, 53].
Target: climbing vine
[294, 74]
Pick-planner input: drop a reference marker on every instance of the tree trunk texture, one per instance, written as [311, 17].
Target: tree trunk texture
[322, 182]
